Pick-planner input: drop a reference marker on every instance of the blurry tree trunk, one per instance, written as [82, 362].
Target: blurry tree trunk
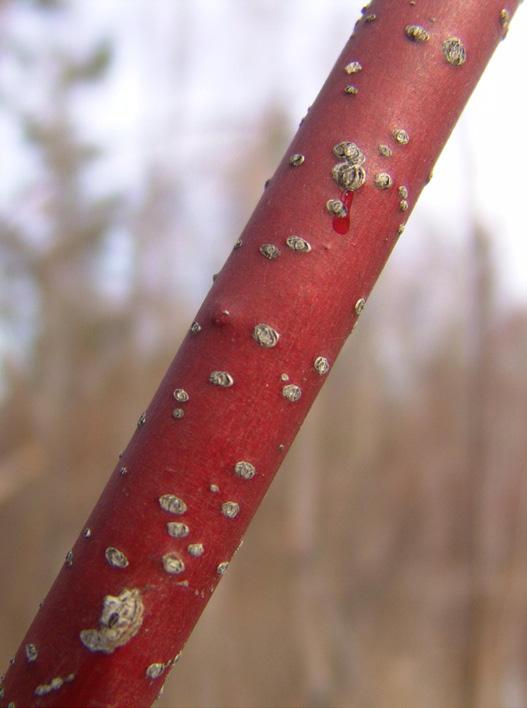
[310, 615]
[480, 591]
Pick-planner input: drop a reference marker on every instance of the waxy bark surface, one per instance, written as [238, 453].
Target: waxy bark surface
[130, 593]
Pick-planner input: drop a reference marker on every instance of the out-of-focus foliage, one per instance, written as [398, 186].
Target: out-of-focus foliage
[386, 566]
[47, 4]
[90, 69]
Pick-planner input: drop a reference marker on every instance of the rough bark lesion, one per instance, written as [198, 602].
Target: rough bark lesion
[121, 618]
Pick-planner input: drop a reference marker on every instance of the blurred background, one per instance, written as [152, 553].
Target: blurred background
[126, 128]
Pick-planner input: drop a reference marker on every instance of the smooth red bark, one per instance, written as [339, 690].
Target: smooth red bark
[311, 299]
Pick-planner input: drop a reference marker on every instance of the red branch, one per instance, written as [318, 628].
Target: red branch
[203, 455]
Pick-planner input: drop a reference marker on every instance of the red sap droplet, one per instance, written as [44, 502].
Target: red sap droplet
[341, 224]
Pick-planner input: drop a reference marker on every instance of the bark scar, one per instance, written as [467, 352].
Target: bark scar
[121, 619]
